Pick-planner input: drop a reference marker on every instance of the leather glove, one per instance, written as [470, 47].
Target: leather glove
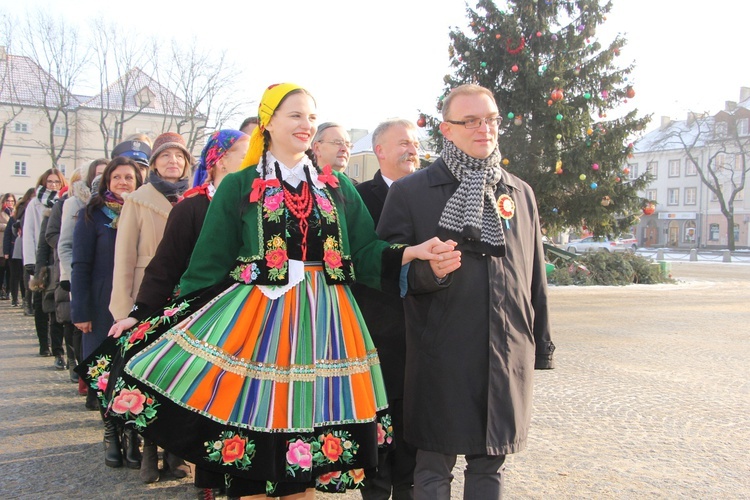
[29, 269]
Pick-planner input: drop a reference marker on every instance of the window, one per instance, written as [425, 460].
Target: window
[713, 232]
[690, 169]
[720, 161]
[720, 129]
[144, 98]
[738, 163]
[354, 170]
[674, 168]
[60, 130]
[740, 196]
[736, 232]
[691, 195]
[742, 126]
[19, 168]
[61, 168]
[651, 195]
[652, 168]
[673, 196]
[689, 235]
[21, 128]
[633, 167]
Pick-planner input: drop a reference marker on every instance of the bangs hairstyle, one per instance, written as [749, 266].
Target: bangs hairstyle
[42, 181]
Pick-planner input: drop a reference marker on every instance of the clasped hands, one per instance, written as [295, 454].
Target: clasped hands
[442, 255]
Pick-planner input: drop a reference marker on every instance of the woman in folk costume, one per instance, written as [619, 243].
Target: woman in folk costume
[263, 368]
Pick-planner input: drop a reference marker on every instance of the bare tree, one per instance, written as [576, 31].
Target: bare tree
[124, 88]
[54, 47]
[718, 147]
[202, 84]
[9, 95]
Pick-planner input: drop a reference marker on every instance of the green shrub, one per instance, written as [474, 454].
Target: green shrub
[604, 268]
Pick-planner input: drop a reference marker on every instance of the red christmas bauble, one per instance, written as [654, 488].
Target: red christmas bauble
[421, 121]
[630, 92]
[649, 209]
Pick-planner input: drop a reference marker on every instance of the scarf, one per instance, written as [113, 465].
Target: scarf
[471, 212]
[47, 198]
[216, 147]
[171, 190]
[112, 207]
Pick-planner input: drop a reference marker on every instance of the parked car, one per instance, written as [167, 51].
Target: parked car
[597, 244]
[629, 240]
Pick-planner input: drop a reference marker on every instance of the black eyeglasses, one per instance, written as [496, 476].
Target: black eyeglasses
[491, 121]
[339, 143]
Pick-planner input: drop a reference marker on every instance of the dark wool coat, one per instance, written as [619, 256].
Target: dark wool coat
[172, 255]
[383, 312]
[91, 276]
[472, 341]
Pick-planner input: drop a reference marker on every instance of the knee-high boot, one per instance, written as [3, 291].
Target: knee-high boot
[112, 453]
[149, 462]
[175, 464]
[131, 453]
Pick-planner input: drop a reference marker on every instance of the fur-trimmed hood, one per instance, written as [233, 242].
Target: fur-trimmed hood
[80, 190]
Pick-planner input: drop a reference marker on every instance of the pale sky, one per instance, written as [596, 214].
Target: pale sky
[368, 61]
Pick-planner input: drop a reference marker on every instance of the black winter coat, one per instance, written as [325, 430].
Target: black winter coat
[471, 342]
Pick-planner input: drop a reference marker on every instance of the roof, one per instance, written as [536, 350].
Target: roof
[124, 93]
[24, 82]
[698, 130]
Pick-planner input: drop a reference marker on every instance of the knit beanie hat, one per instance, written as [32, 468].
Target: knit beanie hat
[268, 104]
[170, 140]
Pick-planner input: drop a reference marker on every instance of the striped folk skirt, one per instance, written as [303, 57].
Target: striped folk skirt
[278, 394]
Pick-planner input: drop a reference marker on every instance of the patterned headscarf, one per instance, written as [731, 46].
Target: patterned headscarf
[268, 104]
[216, 147]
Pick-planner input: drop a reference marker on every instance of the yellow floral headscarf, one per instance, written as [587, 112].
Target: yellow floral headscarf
[268, 104]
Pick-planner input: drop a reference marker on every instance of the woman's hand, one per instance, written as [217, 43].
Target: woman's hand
[121, 326]
[443, 256]
[85, 327]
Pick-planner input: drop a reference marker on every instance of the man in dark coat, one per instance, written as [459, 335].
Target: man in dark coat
[395, 144]
[474, 335]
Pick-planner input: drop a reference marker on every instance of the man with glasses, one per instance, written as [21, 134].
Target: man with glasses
[331, 146]
[395, 144]
[475, 330]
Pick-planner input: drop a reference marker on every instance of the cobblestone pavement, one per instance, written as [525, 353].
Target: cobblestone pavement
[650, 398]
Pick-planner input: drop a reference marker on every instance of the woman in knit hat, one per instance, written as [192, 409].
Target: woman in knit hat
[140, 229]
[222, 155]
[263, 368]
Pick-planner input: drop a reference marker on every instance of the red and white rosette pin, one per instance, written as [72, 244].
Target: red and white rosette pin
[507, 208]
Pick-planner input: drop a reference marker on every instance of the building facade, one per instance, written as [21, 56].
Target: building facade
[687, 213]
[135, 104]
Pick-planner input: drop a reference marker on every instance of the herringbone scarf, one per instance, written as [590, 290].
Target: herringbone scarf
[472, 212]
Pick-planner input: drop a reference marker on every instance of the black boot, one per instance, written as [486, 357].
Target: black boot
[149, 462]
[130, 450]
[92, 401]
[112, 453]
[176, 465]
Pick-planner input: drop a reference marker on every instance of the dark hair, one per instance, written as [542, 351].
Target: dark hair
[42, 181]
[248, 121]
[91, 173]
[21, 204]
[97, 201]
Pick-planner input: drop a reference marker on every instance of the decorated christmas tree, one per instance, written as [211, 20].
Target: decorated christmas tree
[554, 84]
